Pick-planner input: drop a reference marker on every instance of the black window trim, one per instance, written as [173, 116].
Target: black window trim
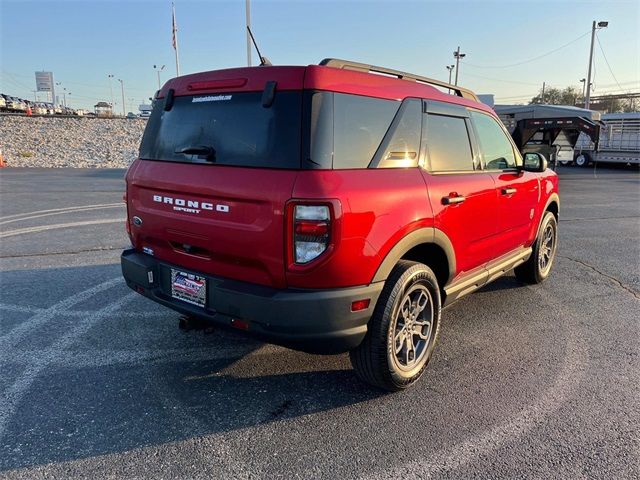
[377, 161]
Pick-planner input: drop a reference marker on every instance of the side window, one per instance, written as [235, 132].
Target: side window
[448, 144]
[360, 123]
[401, 145]
[496, 149]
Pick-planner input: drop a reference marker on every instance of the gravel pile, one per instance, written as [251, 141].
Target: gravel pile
[69, 142]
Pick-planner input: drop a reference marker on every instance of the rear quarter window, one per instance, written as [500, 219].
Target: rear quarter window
[345, 130]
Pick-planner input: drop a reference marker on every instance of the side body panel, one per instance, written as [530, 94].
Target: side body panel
[518, 195]
[471, 226]
[379, 207]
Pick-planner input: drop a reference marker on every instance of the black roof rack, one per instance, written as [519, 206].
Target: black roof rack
[363, 67]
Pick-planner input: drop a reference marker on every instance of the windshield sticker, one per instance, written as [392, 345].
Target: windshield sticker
[211, 98]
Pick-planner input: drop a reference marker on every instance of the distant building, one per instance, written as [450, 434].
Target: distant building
[103, 109]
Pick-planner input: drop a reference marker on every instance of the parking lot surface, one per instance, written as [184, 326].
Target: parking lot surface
[95, 381]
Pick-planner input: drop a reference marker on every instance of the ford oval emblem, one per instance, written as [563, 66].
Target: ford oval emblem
[137, 221]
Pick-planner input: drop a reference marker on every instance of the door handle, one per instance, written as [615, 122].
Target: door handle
[509, 191]
[453, 200]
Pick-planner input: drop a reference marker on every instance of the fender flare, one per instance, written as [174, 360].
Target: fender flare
[417, 237]
[554, 197]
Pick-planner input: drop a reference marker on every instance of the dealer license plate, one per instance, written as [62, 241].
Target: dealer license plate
[188, 287]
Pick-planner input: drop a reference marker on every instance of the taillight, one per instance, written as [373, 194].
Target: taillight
[311, 229]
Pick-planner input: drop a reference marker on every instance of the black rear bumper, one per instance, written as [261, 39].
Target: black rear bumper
[315, 321]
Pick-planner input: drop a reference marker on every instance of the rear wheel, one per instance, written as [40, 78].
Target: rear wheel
[538, 267]
[583, 159]
[402, 331]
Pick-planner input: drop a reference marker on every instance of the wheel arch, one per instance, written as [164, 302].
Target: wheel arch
[426, 245]
[553, 205]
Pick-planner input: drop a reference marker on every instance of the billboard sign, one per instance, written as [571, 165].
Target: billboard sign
[44, 81]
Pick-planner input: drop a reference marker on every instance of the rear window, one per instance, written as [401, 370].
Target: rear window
[235, 128]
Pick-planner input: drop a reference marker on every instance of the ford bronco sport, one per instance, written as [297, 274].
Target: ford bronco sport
[331, 208]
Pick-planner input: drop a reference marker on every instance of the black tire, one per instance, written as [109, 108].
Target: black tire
[377, 359]
[538, 267]
[582, 159]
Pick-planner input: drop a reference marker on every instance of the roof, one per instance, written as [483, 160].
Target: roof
[311, 77]
[102, 105]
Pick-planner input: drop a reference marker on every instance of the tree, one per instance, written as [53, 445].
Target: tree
[555, 96]
[572, 96]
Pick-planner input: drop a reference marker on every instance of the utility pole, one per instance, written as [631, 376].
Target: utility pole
[457, 55]
[247, 27]
[123, 102]
[450, 68]
[594, 27]
[543, 87]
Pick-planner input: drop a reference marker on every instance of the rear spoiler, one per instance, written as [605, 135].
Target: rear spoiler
[363, 67]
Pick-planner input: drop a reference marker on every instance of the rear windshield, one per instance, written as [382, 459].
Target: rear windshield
[227, 129]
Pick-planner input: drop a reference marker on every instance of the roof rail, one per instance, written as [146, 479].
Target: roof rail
[363, 67]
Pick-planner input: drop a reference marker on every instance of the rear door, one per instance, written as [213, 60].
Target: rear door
[462, 196]
[209, 189]
[517, 190]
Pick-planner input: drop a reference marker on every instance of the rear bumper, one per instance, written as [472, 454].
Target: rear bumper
[316, 321]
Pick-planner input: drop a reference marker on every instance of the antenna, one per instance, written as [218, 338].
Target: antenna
[264, 61]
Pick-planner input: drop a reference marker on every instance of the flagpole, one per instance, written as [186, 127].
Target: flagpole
[248, 24]
[175, 40]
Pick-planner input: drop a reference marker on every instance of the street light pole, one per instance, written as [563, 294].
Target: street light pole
[111, 90]
[450, 68]
[584, 85]
[158, 70]
[54, 100]
[457, 55]
[594, 27]
[123, 102]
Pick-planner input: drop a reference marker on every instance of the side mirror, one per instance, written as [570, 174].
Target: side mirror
[535, 162]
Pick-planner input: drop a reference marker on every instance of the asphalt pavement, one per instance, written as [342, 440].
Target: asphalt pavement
[97, 382]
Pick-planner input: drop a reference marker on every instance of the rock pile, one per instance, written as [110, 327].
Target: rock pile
[69, 142]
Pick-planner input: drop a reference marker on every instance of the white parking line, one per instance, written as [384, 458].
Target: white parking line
[12, 395]
[65, 209]
[82, 313]
[88, 208]
[43, 228]
[16, 334]
[574, 366]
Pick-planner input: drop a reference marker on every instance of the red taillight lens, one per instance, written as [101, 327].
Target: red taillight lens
[311, 227]
[306, 227]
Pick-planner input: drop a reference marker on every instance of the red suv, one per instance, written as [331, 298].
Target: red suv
[331, 208]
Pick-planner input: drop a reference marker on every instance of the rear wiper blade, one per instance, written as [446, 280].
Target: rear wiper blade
[202, 151]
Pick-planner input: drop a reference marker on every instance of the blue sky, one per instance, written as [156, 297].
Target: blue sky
[84, 41]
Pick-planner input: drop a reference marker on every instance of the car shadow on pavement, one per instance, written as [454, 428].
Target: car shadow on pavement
[136, 381]
[75, 413]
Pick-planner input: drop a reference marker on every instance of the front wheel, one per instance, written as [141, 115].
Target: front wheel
[538, 267]
[403, 330]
